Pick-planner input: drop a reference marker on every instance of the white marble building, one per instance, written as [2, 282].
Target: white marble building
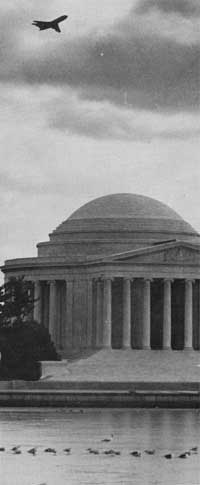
[123, 271]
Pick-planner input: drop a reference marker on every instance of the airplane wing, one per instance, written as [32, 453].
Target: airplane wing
[56, 27]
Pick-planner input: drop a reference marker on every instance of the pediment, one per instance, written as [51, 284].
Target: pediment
[179, 255]
[176, 253]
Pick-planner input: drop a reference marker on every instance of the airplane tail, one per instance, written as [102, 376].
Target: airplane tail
[40, 25]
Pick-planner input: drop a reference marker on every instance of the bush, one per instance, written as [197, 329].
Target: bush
[31, 371]
[22, 346]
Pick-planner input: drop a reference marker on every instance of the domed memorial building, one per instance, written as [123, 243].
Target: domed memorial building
[123, 271]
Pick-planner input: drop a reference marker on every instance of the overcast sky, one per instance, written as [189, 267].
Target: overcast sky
[109, 105]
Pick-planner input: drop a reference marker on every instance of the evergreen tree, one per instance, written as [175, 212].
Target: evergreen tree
[23, 342]
[16, 301]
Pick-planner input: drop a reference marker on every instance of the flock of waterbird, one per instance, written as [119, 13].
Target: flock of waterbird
[16, 450]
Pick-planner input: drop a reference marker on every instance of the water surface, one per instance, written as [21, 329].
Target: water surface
[132, 429]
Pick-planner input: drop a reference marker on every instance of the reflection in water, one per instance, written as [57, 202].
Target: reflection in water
[166, 431]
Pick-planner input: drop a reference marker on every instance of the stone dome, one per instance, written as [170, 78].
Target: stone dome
[125, 212]
[114, 224]
[123, 206]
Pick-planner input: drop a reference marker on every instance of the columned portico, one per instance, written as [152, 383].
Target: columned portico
[107, 313]
[99, 323]
[167, 314]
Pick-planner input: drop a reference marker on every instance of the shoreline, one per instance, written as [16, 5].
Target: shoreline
[99, 394]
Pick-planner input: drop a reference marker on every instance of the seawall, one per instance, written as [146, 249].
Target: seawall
[139, 395]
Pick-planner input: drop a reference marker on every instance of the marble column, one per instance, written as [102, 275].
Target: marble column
[98, 333]
[198, 314]
[146, 330]
[90, 313]
[6, 279]
[126, 343]
[69, 314]
[188, 324]
[37, 301]
[52, 311]
[107, 314]
[59, 322]
[45, 304]
[167, 315]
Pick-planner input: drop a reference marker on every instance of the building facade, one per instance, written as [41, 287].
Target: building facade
[121, 272]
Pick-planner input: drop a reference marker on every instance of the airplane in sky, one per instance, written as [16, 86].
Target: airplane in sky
[52, 24]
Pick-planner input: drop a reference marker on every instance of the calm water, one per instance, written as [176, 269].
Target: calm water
[164, 430]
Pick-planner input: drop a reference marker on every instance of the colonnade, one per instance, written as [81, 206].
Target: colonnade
[103, 312]
[146, 314]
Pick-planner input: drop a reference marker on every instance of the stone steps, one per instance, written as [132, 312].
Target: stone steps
[129, 366]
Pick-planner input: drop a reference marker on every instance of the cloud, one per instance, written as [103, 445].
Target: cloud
[185, 8]
[66, 110]
[156, 75]
[135, 80]
[71, 114]
[155, 69]
[26, 185]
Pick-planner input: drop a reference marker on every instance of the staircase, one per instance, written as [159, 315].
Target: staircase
[127, 366]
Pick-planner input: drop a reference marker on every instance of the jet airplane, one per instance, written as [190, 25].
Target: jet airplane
[52, 24]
